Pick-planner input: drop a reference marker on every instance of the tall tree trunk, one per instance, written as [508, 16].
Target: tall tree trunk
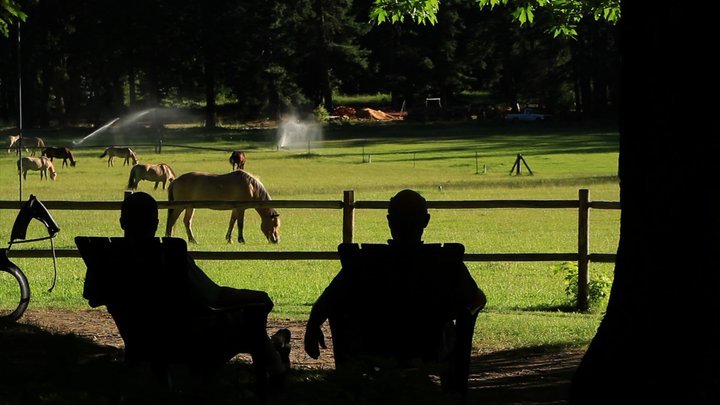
[660, 337]
[323, 58]
[132, 88]
[210, 106]
[209, 61]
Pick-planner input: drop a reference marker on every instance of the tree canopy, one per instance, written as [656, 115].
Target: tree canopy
[90, 61]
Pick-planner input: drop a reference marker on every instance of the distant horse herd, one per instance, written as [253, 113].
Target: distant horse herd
[238, 185]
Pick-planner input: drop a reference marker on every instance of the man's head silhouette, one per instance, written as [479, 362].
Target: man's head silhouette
[407, 217]
[139, 215]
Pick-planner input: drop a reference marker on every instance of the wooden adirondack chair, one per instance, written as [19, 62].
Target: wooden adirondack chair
[398, 312]
[161, 321]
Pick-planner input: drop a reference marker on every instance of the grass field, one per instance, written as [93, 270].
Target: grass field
[448, 161]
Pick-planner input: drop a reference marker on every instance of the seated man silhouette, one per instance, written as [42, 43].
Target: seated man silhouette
[139, 221]
[398, 300]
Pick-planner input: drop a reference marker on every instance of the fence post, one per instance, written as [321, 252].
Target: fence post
[583, 249]
[348, 216]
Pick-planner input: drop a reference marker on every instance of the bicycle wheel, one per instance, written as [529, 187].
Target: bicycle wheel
[14, 290]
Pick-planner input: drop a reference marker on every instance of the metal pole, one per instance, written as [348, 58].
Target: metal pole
[20, 115]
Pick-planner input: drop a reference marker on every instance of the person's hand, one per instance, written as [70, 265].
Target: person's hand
[314, 340]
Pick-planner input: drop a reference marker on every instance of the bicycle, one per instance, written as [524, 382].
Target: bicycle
[30, 209]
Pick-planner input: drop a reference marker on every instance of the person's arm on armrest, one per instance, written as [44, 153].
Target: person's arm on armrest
[314, 337]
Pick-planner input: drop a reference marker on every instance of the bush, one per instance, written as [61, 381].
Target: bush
[321, 114]
[598, 286]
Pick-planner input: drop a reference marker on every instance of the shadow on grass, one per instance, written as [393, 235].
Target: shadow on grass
[39, 367]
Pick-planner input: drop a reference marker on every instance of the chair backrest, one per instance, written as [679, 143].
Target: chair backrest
[400, 306]
[397, 302]
[145, 288]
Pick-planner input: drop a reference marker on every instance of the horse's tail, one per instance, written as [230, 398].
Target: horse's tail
[104, 153]
[171, 198]
[132, 183]
[169, 170]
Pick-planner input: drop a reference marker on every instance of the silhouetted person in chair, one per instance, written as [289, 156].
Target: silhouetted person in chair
[404, 300]
[139, 221]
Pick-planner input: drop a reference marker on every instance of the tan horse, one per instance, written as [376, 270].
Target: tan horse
[157, 173]
[28, 142]
[234, 186]
[125, 153]
[63, 153]
[42, 164]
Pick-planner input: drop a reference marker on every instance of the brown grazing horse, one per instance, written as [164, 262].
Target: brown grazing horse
[61, 153]
[157, 173]
[27, 142]
[42, 164]
[234, 186]
[125, 153]
[237, 160]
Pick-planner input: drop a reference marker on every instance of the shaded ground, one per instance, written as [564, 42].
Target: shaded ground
[63, 356]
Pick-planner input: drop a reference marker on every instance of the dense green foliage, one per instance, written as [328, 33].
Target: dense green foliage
[90, 61]
[526, 300]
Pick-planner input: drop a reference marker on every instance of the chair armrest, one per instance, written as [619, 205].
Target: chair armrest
[237, 307]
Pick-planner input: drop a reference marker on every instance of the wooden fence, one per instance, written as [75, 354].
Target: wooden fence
[348, 205]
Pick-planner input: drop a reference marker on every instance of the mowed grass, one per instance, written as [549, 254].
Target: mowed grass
[442, 161]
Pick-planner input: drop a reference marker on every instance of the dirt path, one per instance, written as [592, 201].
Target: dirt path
[527, 376]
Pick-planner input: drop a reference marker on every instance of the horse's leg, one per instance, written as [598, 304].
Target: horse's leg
[240, 220]
[188, 223]
[233, 218]
[156, 185]
[173, 215]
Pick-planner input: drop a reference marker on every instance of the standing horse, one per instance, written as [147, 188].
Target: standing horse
[237, 160]
[234, 186]
[42, 164]
[28, 142]
[125, 153]
[157, 173]
[61, 153]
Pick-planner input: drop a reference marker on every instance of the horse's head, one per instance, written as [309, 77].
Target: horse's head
[270, 225]
[53, 173]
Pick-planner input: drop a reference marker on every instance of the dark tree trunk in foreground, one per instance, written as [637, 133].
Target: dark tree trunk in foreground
[659, 340]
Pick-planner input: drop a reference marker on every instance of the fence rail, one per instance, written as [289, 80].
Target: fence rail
[348, 205]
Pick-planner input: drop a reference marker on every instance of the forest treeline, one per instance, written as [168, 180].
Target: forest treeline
[90, 60]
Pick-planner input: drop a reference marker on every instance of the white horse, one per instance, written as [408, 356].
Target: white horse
[42, 164]
[31, 142]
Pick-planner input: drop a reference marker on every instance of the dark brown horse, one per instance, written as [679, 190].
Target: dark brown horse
[237, 160]
[61, 153]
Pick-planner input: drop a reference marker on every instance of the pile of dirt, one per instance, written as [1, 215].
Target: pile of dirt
[379, 115]
[345, 112]
[350, 113]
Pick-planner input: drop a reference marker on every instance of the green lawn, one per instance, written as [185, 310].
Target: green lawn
[441, 161]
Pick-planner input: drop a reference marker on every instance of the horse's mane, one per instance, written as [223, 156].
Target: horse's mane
[260, 192]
